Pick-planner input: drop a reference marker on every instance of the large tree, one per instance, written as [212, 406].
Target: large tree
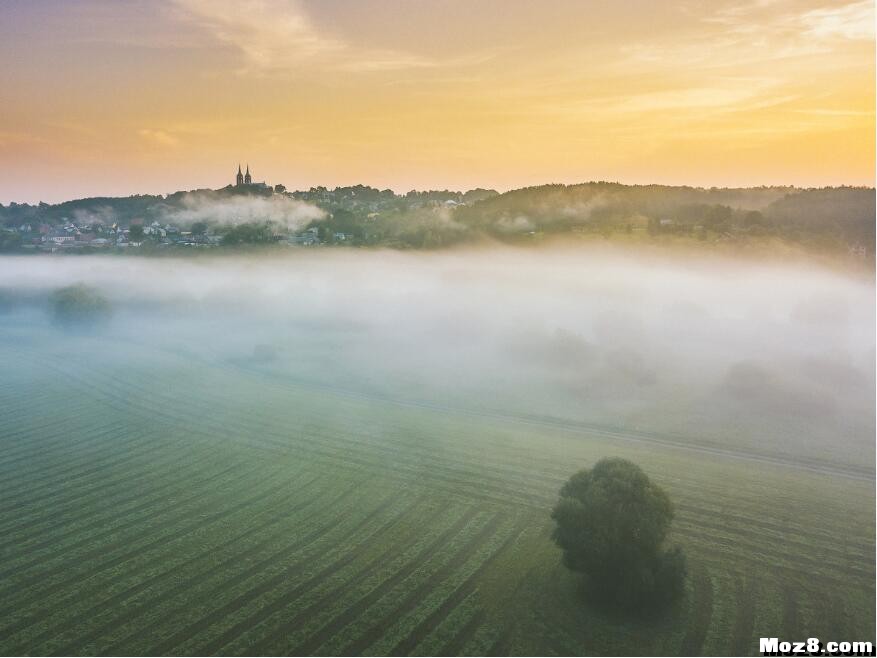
[611, 522]
[78, 305]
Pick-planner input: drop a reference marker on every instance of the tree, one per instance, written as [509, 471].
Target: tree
[9, 241]
[199, 228]
[611, 522]
[79, 305]
[135, 232]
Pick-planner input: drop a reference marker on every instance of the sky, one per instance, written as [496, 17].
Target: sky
[119, 97]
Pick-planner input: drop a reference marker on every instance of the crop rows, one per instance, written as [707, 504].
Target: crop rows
[214, 513]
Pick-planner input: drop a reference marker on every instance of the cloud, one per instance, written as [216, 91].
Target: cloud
[795, 30]
[159, 137]
[685, 99]
[11, 138]
[852, 21]
[758, 33]
[749, 56]
[278, 35]
[714, 97]
[837, 112]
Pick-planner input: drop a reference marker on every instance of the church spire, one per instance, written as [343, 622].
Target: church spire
[240, 177]
[248, 180]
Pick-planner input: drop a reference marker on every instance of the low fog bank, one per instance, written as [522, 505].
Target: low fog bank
[772, 358]
[280, 210]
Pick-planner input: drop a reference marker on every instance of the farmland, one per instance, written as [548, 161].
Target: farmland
[304, 457]
[166, 508]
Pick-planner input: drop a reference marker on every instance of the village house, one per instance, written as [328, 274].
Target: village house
[60, 236]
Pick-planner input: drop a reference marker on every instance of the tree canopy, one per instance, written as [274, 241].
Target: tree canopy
[78, 304]
[611, 522]
[249, 233]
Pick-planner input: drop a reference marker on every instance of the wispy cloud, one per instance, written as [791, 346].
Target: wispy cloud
[9, 138]
[278, 35]
[781, 19]
[159, 137]
[680, 101]
[748, 56]
[837, 113]
[852, 21]
[684, 99]
[759, 32]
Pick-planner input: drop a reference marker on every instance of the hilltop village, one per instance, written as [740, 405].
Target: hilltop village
[834, 220]
[143, 221]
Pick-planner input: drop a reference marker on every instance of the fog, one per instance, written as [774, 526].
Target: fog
[761, 358]
[278, 209]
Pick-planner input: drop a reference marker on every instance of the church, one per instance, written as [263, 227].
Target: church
[243, 179]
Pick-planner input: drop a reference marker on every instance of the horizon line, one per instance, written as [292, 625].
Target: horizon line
[10, 202]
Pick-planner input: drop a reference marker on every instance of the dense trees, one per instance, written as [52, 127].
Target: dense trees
[249, 234]
[841, 215]
[611, 522]
[828, 217]
[9, 241]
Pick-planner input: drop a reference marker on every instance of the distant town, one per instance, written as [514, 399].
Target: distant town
[106, 223]
[837, 220]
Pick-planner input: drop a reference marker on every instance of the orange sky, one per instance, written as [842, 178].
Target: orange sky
[120, 97]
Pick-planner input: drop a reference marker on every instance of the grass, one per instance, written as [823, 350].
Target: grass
[164, 503]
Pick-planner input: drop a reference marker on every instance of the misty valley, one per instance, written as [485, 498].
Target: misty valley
[438, 328]
[358, 451]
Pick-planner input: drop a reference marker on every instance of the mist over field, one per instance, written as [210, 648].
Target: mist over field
[757, 358]
[345, 451]
[387, 328]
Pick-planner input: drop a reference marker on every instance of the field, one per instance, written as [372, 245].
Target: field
[173, 504]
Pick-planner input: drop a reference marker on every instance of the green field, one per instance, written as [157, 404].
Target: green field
[174, 504]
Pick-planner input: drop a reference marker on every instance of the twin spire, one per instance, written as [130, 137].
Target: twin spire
[243, 179]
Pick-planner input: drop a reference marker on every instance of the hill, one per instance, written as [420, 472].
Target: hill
[838, 220]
